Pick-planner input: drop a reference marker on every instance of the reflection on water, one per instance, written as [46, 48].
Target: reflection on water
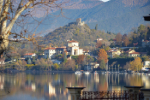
[52, 86]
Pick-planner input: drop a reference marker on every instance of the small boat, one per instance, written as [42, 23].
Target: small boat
[87, 72]
[95, 72]
[78, 72]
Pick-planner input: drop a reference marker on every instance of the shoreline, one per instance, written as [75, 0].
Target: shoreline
[34, 71]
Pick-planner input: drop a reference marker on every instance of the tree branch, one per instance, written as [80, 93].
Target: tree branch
[1, 5]
[15, 17]
[4, 14]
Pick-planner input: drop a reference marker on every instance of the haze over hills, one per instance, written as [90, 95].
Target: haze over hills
[113, 16]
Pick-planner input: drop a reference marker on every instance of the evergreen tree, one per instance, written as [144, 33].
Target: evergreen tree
[65, 57]
[96, 26]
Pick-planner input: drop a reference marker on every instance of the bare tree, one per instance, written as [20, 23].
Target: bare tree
[16, 14]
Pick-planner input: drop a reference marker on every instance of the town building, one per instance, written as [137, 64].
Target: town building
[29, 55]
[71, 49]
[133, 53]
[50, 52]
[99, 39]
[113, 52]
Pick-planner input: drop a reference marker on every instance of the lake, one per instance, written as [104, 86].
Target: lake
[52, 86]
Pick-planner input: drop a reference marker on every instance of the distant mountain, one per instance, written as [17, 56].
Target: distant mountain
[113, 16]
[81, 33]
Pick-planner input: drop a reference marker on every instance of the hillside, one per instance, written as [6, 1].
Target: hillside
[113, 16]
[83, 34]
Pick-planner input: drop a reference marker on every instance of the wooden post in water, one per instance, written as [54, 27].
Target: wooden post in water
[146, 94]
[133, 92]
[75, 92]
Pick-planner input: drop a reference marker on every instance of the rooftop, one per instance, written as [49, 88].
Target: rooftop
[73, 41]
[29, 54]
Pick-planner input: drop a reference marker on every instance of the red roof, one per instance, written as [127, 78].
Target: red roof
[51, 48]
[29, 54]
[72, 41]
[138, 53]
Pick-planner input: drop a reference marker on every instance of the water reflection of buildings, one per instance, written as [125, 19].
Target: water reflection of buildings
[146, 81]
[52, 86]
[1, 82]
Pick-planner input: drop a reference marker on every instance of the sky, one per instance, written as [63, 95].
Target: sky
[105, 0]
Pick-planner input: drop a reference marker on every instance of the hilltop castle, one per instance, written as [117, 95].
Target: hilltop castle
[79, 22]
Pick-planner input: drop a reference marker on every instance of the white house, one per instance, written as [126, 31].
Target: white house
[71, 49]
[99, 39]
[29, 55]
[113, 52]
[50, 52]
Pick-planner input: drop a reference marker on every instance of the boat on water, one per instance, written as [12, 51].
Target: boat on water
[86, 72]
[78, 72]
[95, 72]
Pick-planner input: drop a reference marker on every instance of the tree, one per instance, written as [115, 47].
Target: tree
[44, 64]
[70, 64]
[125, 40]
[98, 44]
[127, 66]
[136, 64]
[102, 55]
[16, 13]
[119, 38]
[64, 57]
[102, 64]
[96, 27]
[56, 66]
[80, 59]
[21, 65]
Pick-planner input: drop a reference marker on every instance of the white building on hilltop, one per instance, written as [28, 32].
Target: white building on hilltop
[79, 22]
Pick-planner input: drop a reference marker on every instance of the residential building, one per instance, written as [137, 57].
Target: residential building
[50, 52]
[29, 55]
[133, 53]
[71, 49]
[99, 39]
[113, 52]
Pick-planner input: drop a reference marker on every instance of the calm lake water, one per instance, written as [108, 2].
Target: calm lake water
[52, 86]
